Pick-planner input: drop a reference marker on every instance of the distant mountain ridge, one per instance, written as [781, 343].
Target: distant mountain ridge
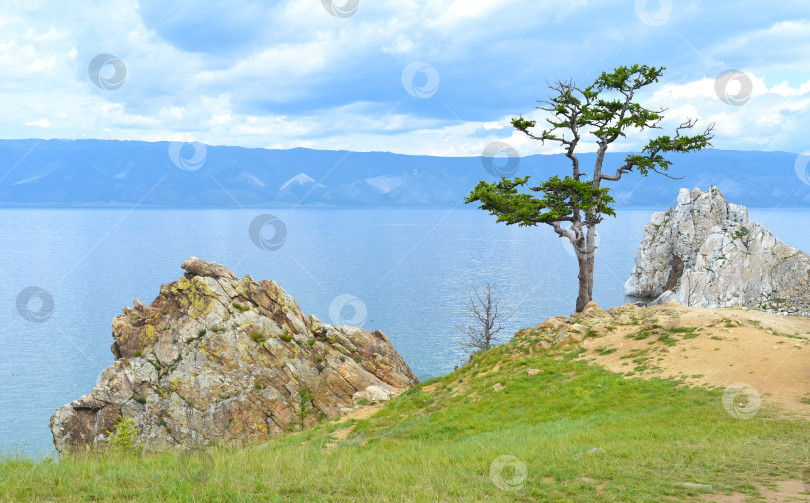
[110, 173]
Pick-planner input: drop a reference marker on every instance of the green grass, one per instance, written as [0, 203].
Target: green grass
[730, 323]
[685, 332]
[667, 339]
[641, 335]
[651, 435]
[668, 335]
[257, 336]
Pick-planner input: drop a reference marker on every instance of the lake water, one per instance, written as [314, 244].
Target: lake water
[410, 269]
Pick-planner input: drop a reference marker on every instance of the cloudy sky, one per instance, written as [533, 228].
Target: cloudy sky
[438, 77]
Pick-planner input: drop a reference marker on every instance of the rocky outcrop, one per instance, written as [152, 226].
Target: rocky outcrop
[673, 238]
[705, 252]
[561, 330]
[218, 359]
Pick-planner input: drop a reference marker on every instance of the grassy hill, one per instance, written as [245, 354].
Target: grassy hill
[573, 431]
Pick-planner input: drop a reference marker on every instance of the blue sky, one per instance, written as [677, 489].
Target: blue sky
[440, 77]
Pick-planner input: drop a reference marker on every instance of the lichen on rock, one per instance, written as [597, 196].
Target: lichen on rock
[219, 359]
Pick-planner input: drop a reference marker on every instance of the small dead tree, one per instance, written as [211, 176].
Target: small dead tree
[484, 309]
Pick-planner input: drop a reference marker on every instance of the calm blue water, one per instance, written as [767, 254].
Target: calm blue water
[411, 269]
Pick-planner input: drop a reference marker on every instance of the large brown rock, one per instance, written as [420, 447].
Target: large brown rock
[218, 359]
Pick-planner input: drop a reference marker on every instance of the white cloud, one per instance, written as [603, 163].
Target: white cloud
[43, 123]
[783, 89]
[287, 74]
[772, 119]
[402, 44]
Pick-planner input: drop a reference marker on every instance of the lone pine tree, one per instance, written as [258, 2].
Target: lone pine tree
[573, 206]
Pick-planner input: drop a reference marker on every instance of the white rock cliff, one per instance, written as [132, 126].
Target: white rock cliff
[705, 252]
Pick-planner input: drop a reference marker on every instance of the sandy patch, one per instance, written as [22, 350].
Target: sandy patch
[432, 387]
[343, 433]
[791, 491]
[769, 352]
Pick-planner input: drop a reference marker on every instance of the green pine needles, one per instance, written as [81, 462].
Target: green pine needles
[304, 398]
[125, 437]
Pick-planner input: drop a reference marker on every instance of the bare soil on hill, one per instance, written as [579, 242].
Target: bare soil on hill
[717, 347]
[760, 359]
[349, 420]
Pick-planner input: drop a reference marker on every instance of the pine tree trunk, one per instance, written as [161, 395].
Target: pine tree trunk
[586, 249]
[584, 280]
[591, 252]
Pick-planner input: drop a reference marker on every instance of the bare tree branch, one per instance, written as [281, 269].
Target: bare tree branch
[484, 309]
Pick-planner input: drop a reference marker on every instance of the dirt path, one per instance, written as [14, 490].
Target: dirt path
[343, 433]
